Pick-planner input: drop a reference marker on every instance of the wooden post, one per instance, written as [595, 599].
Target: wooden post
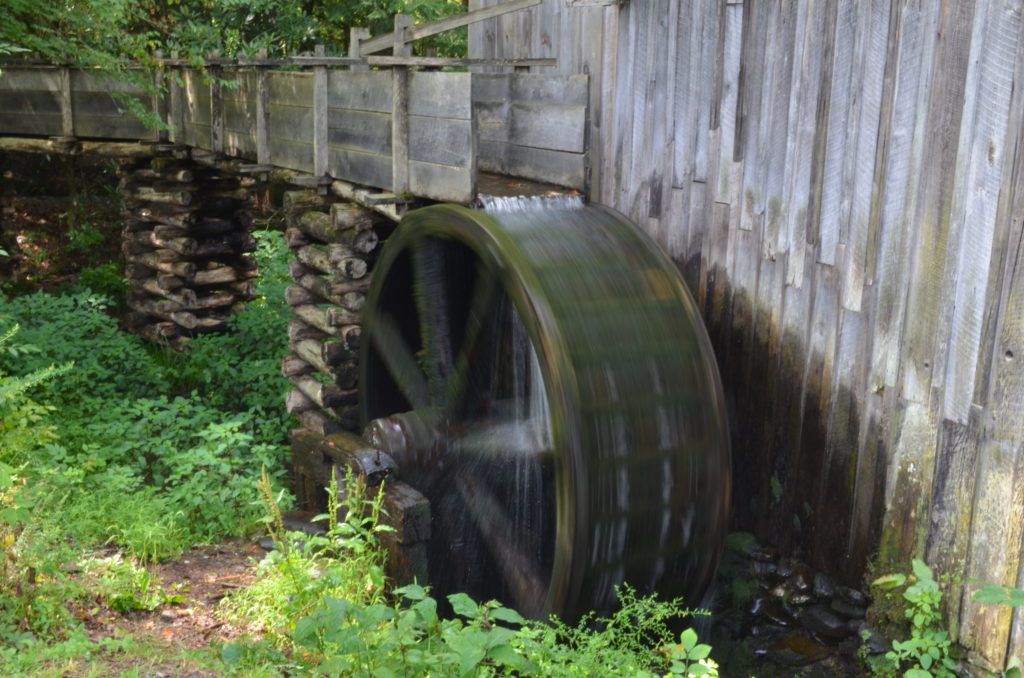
[356, 36]
[400, 109]
[177, 112]
[160, 99]
[320, 117]
[262, 113]
[216, 106]
[67, 115]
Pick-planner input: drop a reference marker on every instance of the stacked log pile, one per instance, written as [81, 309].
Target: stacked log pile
[333, 246]
[186, 241]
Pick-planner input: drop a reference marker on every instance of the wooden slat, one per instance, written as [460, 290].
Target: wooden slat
[387, 40]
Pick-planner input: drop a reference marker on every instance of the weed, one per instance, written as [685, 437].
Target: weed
[928, 650]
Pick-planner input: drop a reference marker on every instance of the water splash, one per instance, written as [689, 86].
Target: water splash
[505, 204]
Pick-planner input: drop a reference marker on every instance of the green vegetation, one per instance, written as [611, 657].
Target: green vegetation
[111, 34]
[928, 651]
[105, 440]
[321, 602]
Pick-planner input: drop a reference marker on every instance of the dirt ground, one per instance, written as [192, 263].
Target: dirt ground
[203, 577]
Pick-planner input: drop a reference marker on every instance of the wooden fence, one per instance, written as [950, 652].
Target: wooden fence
[402, 130]
[842, 182]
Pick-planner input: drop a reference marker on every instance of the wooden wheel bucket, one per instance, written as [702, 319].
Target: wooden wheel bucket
[544, 378]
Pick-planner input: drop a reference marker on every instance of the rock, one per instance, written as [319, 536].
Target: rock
[852, 596]
[762, 630]
[785, 568]
[764, 554]
[762, 570]
[847, 610]
[777, 613]
[800, 599]
[802, 579]
[876, 643]
[823, 586]
[822, 621]
[797, 650]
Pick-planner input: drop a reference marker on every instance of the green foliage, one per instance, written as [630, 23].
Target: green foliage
[303, 569]
[928, 650]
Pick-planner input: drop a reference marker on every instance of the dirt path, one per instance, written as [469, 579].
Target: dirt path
[203, 577]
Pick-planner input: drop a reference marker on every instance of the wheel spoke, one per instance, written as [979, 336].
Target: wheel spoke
[481, 306]
[518, 571]
[399, 360]
[434, 314]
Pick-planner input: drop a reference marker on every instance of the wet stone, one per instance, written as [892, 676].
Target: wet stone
[802, 579]
[764, 554]
[762, 570]
[852, 596]
[797, 650]
[823, 586]
[876, 643]
[822, 621]
[800, 599]
[763, 630]
[777, 613]
[847, 610]
[785, 568]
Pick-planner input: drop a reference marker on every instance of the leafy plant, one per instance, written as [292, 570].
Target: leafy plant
[997, 594]
[928, 650]
[304, 568]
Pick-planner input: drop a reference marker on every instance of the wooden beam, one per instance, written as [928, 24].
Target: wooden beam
[356, 36]
[262, 114]
[382, 42]
[441, 62]
[67, 115]
[320, 114]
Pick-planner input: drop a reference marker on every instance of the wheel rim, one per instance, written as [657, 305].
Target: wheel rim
[484, 346]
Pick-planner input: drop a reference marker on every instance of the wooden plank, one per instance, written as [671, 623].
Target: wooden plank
[400, 130]
[749, 144]
[983, 144]
[914, 451]
[361, 91]
[834, 210]
[441, 95]
[360, 131]
[559, 90]
[806, 80]
[216, 110]
[67, 114]
[362, 168]
[320, 117]
[262, 113]
[915, 31]
[387, 40]
[996, 540]
[441, 182]
[557, 128]
[775, 135]
[870, 55]
[440, 141]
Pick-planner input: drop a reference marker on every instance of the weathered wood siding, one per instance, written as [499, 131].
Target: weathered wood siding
[842, 183]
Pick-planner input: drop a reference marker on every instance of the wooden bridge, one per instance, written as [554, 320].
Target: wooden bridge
[841, 182]
[405, 127]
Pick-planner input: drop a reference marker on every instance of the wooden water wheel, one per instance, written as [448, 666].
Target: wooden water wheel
[544, 378]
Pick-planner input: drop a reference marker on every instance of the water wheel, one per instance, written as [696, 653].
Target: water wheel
[544, 378]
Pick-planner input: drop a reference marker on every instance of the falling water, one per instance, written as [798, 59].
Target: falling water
[521, 203]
